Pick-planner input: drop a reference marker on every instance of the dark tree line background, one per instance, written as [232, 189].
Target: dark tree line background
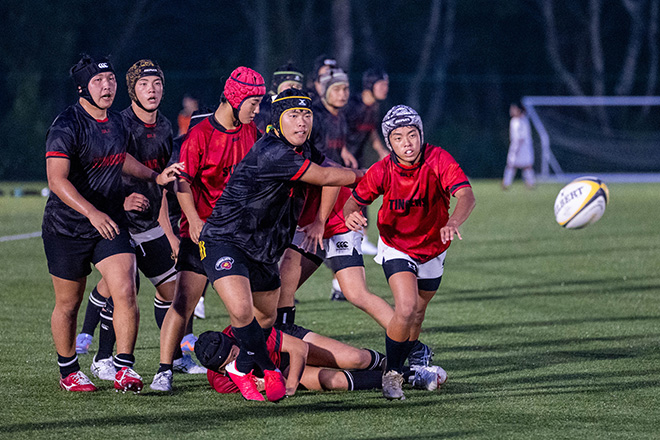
[459, 63]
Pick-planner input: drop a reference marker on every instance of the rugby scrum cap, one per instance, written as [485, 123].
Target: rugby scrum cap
[372, 76]
[288, 99]
[212, 349]
[401, 116]
[327, 80]
[287, 72]
[85, 70]
[320, 61]
[242, 84]
[139, 70]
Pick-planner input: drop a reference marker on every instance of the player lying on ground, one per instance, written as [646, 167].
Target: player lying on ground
[417, 181]
[305, 365]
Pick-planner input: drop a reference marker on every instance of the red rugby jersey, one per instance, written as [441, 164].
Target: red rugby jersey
[336, 223]
[210, 153]
[415, 200]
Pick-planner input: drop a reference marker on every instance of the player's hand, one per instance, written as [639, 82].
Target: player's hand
[356, 221]
[136, 202]
[447, 233]
[195, 228]
[174, 244]
[348, 158]
[313, 236]
[104, 224]
[169, 174]
[290, 391]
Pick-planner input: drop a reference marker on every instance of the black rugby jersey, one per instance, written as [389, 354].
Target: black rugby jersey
[151, 146]
[329, 132]
[96, 151]
[259, 208]
[361, 120]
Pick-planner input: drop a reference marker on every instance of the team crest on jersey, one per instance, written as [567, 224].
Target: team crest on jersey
[224, 263]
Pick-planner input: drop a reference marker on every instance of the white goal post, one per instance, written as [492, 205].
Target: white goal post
[549, 163]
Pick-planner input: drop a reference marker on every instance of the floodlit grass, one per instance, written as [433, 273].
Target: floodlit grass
[546, 333]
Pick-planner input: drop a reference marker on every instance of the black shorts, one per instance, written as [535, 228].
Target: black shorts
[189, 259]
[154, 259]
[293, 330]
[71, 258]
[224, 259]
[390, 267]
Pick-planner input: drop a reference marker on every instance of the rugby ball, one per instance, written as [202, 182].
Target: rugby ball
[581, 202]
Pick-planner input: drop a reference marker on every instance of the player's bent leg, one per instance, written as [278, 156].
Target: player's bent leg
[352, 281]
[295, 269]
[119, 272]
[68, 297]
[328, 352]
[265, 307]
[189, 288]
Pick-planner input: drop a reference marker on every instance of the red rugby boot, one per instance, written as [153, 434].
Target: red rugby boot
[77, 382]
[127, 379]
[246, 383]
[275, 385]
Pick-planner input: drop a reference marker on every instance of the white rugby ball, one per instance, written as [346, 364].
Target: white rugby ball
[581, 202]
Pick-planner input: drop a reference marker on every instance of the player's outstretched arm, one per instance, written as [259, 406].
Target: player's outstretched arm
[297, 350]
[465, 203]
[331, 176]
[355, 221]
[134, 168]
[57, 171]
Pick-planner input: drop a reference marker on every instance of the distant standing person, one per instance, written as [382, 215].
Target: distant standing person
[285, 77]
[190, 106]
[84, 220]
[521, 148]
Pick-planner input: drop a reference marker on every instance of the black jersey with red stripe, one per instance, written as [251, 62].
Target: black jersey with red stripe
[415, 200]
[152, 146]
[260, 206]
[96, 151]
[329, 132]
[361, 120]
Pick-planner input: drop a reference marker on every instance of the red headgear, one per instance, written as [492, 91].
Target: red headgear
[243, 83]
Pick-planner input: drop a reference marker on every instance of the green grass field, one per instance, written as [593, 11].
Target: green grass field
[545, 333]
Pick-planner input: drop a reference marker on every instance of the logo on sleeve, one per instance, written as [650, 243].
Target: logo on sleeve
[224, 263]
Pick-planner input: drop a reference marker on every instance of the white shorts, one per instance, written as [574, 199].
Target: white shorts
[341, 250]
[431, 269]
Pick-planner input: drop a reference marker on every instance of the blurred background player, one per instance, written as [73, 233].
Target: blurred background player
[190, 105]
[84, 219]
[417, 181]
[285, 77]
[329, 136]
[362, 118]
[521, 149]
[147, 211]
[210, 151]
[252, 224]
[322, 64]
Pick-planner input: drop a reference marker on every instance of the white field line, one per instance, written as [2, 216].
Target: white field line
[20, 236]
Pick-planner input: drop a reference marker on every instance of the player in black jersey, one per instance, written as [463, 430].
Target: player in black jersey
[322, 64]
[285, 77]
[147, 211]
[251, 225]
[84, 220]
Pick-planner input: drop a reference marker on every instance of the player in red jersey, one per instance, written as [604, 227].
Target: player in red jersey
[417, 181]
[341, 368]
[84, 219]
[210, 152]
